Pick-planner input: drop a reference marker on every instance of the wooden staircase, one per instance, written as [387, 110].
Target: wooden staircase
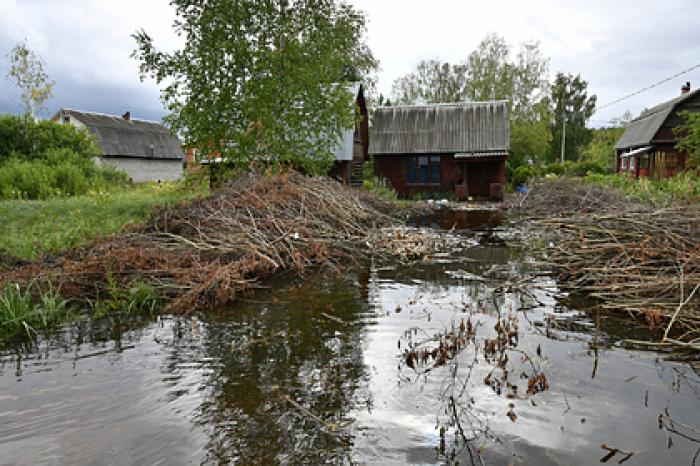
[356, 173]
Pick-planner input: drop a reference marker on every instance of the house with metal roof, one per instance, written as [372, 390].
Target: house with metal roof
[441, 148]
[145, 150]
[648, 145]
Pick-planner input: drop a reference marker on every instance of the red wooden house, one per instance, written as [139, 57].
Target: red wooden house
[648, 145]
[440, 148]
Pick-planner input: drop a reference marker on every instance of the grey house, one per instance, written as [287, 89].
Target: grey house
[145, 150]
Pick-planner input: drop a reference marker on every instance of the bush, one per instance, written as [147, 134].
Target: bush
[43, 179]
[23, 137]
[46, 159]
[554, 169]
[380, 187]
[521, 175]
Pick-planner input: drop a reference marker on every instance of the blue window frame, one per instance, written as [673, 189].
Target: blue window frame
[423, 169]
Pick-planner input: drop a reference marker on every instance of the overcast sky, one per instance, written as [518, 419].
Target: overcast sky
[617, 46]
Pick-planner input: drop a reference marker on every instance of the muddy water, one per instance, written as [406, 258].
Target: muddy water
[316, 371]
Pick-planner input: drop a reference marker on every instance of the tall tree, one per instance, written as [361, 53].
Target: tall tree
[27, 71]
[431, 82]
[572, 107]
[491, 72]
[261, 79]
[494, 73]
[601, 149]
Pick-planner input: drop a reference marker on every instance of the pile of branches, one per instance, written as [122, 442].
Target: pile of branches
[567, 196]
[641, 260]
[205, 253]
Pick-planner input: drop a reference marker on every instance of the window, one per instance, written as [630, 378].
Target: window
[632, 161]
[423, 169]
[623, 163]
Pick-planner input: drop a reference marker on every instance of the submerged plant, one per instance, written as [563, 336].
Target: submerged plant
[139, 299]
[22, 317]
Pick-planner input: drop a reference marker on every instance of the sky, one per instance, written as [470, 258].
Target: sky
[619, 47]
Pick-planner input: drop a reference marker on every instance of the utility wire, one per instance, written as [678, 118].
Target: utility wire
[648, 87]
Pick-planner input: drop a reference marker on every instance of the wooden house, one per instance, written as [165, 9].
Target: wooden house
[456, 148]
[352, 149]
[145, 150]
[648, 146]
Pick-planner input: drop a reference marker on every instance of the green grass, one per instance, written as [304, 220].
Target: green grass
[31, 229]
[684, 187]
[22, 317]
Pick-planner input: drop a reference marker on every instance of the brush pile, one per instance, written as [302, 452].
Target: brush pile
[641, 260]
[205, 253]
[569, 196]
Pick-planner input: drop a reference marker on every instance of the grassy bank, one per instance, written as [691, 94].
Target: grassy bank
[685, 187]
[34, 228]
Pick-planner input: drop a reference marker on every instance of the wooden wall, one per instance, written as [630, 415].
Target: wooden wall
[481, 173]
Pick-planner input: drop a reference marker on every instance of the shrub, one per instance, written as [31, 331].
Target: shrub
[63, 173]
[380, 187]
[23, 137]
[522, 174]
[554, 169]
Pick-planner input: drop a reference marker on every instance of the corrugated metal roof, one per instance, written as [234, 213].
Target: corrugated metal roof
[642, 129]
[129, 138]
[441, 128]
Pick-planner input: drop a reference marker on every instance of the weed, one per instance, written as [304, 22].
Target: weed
[139, 299]
[22, 317]
[381, 188]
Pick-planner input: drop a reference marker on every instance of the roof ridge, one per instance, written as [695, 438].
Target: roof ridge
[446, 104]
[668, 103]
[90, 112]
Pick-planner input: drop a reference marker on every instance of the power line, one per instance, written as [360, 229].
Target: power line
[680, 73]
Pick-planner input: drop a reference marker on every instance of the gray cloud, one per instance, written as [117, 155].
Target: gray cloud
[619, 47]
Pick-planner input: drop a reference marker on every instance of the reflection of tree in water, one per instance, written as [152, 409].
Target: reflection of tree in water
[261, 353]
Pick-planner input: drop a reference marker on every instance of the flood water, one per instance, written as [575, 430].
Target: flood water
[388, 363]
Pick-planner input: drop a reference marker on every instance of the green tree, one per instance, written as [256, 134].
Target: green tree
[572, 106]
[261, 80]
[530, 138]
[492, 72]
[601, 149]
[689, 133]
[431, 82]
[27, 71]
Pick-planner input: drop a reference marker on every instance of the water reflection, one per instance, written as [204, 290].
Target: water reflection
[314, 371]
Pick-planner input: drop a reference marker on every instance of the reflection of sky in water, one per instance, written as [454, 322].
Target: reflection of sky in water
[70, 409]
[214, 389]
[564, 425]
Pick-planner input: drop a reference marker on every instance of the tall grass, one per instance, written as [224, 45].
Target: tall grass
[33, 228]
[27, 313]
[684, 187]
[22, 318]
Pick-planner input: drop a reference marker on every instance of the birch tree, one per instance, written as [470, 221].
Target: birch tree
[27, 71]
[261, 80]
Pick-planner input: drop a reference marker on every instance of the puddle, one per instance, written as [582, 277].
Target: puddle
[316, 371]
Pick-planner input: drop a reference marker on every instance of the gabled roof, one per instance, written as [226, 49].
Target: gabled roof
[464, 128]
[128, 138]
[642, 129]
